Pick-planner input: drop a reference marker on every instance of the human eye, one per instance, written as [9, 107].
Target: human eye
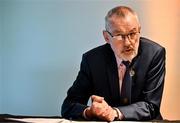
[132, 34]
[118, 37]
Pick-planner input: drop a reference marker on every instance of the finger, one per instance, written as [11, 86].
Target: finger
[111, 115]
[97, 107]
[105, 112]
[97, 98]
[99, 110]
[108, 116]
[104, 107]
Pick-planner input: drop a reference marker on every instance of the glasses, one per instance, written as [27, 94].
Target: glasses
[120, 37]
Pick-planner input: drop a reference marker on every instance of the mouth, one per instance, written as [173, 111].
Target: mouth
[128, 51]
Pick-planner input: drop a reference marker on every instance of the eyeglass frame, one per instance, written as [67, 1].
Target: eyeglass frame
[122, 37]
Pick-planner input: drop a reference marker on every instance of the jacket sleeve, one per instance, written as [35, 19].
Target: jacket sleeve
[149, 107]
[78, 94]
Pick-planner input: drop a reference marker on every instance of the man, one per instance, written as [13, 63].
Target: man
[124, 77]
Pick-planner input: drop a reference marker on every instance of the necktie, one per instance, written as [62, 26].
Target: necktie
[121, 72]
[126, 85]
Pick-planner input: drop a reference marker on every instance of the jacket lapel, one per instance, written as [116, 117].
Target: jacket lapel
[112, 73]
[113, 80]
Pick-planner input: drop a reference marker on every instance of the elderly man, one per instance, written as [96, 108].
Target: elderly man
[124, 77]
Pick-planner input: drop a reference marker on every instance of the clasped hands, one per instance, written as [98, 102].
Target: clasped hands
[100, 109]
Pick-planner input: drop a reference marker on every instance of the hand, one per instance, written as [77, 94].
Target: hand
[95, 98]
[90, 111]
[100, 109]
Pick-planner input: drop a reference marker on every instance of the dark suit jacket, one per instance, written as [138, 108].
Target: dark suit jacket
[98, 75]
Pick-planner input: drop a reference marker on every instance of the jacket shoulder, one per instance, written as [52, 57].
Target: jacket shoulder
[98, 51]
[149, 45]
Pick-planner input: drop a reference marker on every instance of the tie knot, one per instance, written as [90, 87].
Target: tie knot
[126, 63]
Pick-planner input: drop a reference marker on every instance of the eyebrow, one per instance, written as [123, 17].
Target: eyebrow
[132, 30]
[120, 32]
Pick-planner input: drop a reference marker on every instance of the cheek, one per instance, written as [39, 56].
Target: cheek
[117, 47]
[136, 44]
[133, 43]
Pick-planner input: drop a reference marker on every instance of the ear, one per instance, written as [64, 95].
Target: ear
[106, 36]
[139, 29]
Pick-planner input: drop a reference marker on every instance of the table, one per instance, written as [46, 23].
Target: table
[7, 118]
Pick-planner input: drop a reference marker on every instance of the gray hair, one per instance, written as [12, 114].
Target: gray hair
[119, 11]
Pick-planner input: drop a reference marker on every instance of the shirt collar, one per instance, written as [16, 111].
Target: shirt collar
[118, 60]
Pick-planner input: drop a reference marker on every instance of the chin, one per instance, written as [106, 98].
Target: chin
[128, 57]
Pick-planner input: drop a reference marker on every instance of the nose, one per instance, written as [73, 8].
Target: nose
[126, 41]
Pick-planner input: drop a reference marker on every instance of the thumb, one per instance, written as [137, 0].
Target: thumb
[97, 98]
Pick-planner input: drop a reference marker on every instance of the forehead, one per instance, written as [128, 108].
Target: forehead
[123, 24]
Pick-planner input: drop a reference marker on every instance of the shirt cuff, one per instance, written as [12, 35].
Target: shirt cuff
[84, 114]
[120, 115]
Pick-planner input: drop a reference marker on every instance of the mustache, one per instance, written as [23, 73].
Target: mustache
[128, 48]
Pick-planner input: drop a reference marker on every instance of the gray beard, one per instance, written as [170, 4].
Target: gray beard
[129, 57]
